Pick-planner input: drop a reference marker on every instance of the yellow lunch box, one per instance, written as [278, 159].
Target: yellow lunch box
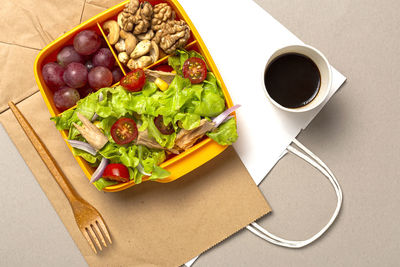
[178, 165]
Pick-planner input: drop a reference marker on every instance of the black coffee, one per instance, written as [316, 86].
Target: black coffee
[292, 80]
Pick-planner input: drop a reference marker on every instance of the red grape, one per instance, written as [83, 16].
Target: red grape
[66, 98]
[75, 75]
[87, 42]
[100, 77]
[84, 91]
[117, 74]
[103, 57]
[68, 55]
[64, 86]
[53, 75]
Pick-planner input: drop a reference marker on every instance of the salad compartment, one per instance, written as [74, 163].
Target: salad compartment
[203, 151]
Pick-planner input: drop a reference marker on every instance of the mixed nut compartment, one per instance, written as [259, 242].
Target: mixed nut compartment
[142, 33]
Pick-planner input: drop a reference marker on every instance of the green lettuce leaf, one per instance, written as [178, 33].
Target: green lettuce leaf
[105, 125]
[226, 133]
[135, 175]
[149, 159]
[159, 173]
[187, 121]
[66, 119]
[212, 101]
[129, 156]
[212, 84]
[174, 97]
[111, 151]
[74, 134]
[102, 183]
[115, 103]
[149, 88]
[143, 104]
[210, 105]
[88, 157]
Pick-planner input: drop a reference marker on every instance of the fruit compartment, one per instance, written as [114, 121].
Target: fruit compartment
[179, 165]
[52, 57]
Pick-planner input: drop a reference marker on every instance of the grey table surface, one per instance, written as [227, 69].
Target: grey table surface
[31, 232]
[355, 134]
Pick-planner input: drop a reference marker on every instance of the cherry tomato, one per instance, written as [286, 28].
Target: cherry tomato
[159, 122]
[134, 80]
[124, 131]
[116, 172]
[164, 67]
[195, 69]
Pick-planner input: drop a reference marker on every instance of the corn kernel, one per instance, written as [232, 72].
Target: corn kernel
[161, 84]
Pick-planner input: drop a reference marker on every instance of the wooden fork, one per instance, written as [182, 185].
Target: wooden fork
[87, 217]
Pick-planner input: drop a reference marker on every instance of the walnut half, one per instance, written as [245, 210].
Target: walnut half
[136, 17]
[161, 14]
[126, 19]
[143, 18]
[172, 35]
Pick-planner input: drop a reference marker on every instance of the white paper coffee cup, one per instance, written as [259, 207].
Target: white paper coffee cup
[325, 74]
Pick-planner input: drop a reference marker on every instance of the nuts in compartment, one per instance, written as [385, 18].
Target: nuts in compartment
[143, 33]
[172, 35]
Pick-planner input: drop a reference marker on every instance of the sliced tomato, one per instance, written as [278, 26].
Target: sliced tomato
[134, 80]
[116, 172]
[195, 69]
[159, 122]
[164, 67]
[124, 131]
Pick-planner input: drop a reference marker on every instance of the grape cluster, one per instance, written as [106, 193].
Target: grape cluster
[80, 68]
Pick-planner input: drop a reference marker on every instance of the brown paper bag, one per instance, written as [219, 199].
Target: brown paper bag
[151, 224]
[28, 26]
[32, 23]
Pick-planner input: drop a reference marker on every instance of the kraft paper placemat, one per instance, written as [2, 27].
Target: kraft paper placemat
[151, 224]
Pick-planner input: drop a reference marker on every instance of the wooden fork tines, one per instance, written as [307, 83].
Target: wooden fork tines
[91, 224]
[87, 217]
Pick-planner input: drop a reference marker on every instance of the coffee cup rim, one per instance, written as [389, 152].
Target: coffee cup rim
[322, 94]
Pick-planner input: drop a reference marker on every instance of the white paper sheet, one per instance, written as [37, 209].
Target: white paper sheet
[241, 36]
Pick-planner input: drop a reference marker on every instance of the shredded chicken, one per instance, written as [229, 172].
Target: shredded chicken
[91, 133]
[147, 141]
[186, 138]
[152, 75]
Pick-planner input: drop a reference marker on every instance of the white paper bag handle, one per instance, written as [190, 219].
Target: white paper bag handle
[309, 157]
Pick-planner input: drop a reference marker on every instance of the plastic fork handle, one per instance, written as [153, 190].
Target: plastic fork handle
[45, 155]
